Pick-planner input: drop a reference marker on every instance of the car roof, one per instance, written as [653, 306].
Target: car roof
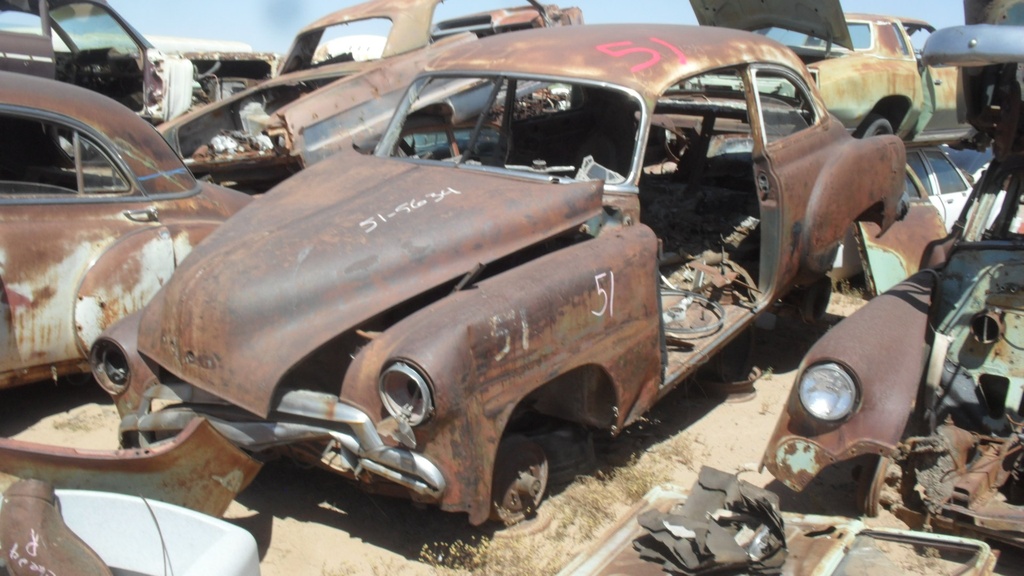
[140, 145]
[648, 58]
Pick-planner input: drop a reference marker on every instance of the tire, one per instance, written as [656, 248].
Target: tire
[873, 125]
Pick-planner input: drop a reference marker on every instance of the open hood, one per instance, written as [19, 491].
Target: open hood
[819, 18]
[334, 246]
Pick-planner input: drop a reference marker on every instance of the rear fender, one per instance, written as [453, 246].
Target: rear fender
[128, 274]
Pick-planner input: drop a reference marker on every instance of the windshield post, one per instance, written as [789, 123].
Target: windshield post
[483, 115]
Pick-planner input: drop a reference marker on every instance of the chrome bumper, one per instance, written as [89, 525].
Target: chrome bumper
[358, 444]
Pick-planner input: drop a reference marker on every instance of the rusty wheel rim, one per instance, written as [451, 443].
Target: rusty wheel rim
[520, 480]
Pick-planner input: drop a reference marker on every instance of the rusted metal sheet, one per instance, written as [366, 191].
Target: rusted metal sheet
[198, 469]
[821, 19]
[800, 447]
[410, 29]
[815, 546]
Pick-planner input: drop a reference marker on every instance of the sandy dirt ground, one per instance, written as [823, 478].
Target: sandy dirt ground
[309, 522]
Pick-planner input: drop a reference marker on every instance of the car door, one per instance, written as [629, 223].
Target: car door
[65, 198]
[946, 186]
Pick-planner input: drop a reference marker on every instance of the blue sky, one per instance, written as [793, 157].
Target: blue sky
[270, 25]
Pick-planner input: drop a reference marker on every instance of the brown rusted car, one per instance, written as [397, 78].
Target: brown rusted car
[96, 211]
[922, 388]
[333, 91]
[865, 65]
[539, 246]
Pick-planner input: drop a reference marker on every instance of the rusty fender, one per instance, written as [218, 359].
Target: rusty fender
[197, 469]
[883, 347]
[845, 192]
[488, 347]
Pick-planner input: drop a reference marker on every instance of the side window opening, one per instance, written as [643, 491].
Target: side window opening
[785, 107]
[43, 158]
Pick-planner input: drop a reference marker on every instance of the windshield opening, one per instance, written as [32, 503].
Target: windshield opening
[551, 127]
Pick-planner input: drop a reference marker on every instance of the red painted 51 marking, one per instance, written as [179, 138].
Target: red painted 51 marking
[620, 49]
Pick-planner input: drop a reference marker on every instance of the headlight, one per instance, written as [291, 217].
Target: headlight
[110, 366]
[406, 394]
[828, 392]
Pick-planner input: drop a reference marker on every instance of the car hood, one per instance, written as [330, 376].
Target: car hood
[818, 18]
[332, 247]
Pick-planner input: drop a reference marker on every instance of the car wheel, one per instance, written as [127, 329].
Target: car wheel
[520, 480]
[873, 125]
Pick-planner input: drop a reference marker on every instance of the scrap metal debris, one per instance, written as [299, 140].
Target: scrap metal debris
[726, 523]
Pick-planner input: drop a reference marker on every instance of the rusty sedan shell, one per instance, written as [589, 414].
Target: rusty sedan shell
[423, 320]
[94, 220]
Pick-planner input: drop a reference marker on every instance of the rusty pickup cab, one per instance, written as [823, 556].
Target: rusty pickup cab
[538, 245]
[96, 211]
[922, 388]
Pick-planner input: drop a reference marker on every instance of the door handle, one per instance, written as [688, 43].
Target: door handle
[148, 215]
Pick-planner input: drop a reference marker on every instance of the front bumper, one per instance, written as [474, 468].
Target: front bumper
[353, 443]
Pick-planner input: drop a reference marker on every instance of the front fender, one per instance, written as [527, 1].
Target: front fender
[489, 346]
[884, 345]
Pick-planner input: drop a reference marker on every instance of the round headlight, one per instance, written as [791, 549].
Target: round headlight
[110, 366]
[828, 392]
[406, 394]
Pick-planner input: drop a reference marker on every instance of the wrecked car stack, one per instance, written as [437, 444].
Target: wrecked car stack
[491, 275]
[324, 102]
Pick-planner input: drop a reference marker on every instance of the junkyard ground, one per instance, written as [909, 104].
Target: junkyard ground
[308, 522]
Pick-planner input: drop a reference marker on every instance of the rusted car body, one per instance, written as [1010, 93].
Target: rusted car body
[319, 106]
[864, 64]
[87, 43]
[430, 319]
[923, 386]
[96, 211]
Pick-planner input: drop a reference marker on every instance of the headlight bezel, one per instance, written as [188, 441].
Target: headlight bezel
[396, 402]
[113, 377]
[834, 372]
